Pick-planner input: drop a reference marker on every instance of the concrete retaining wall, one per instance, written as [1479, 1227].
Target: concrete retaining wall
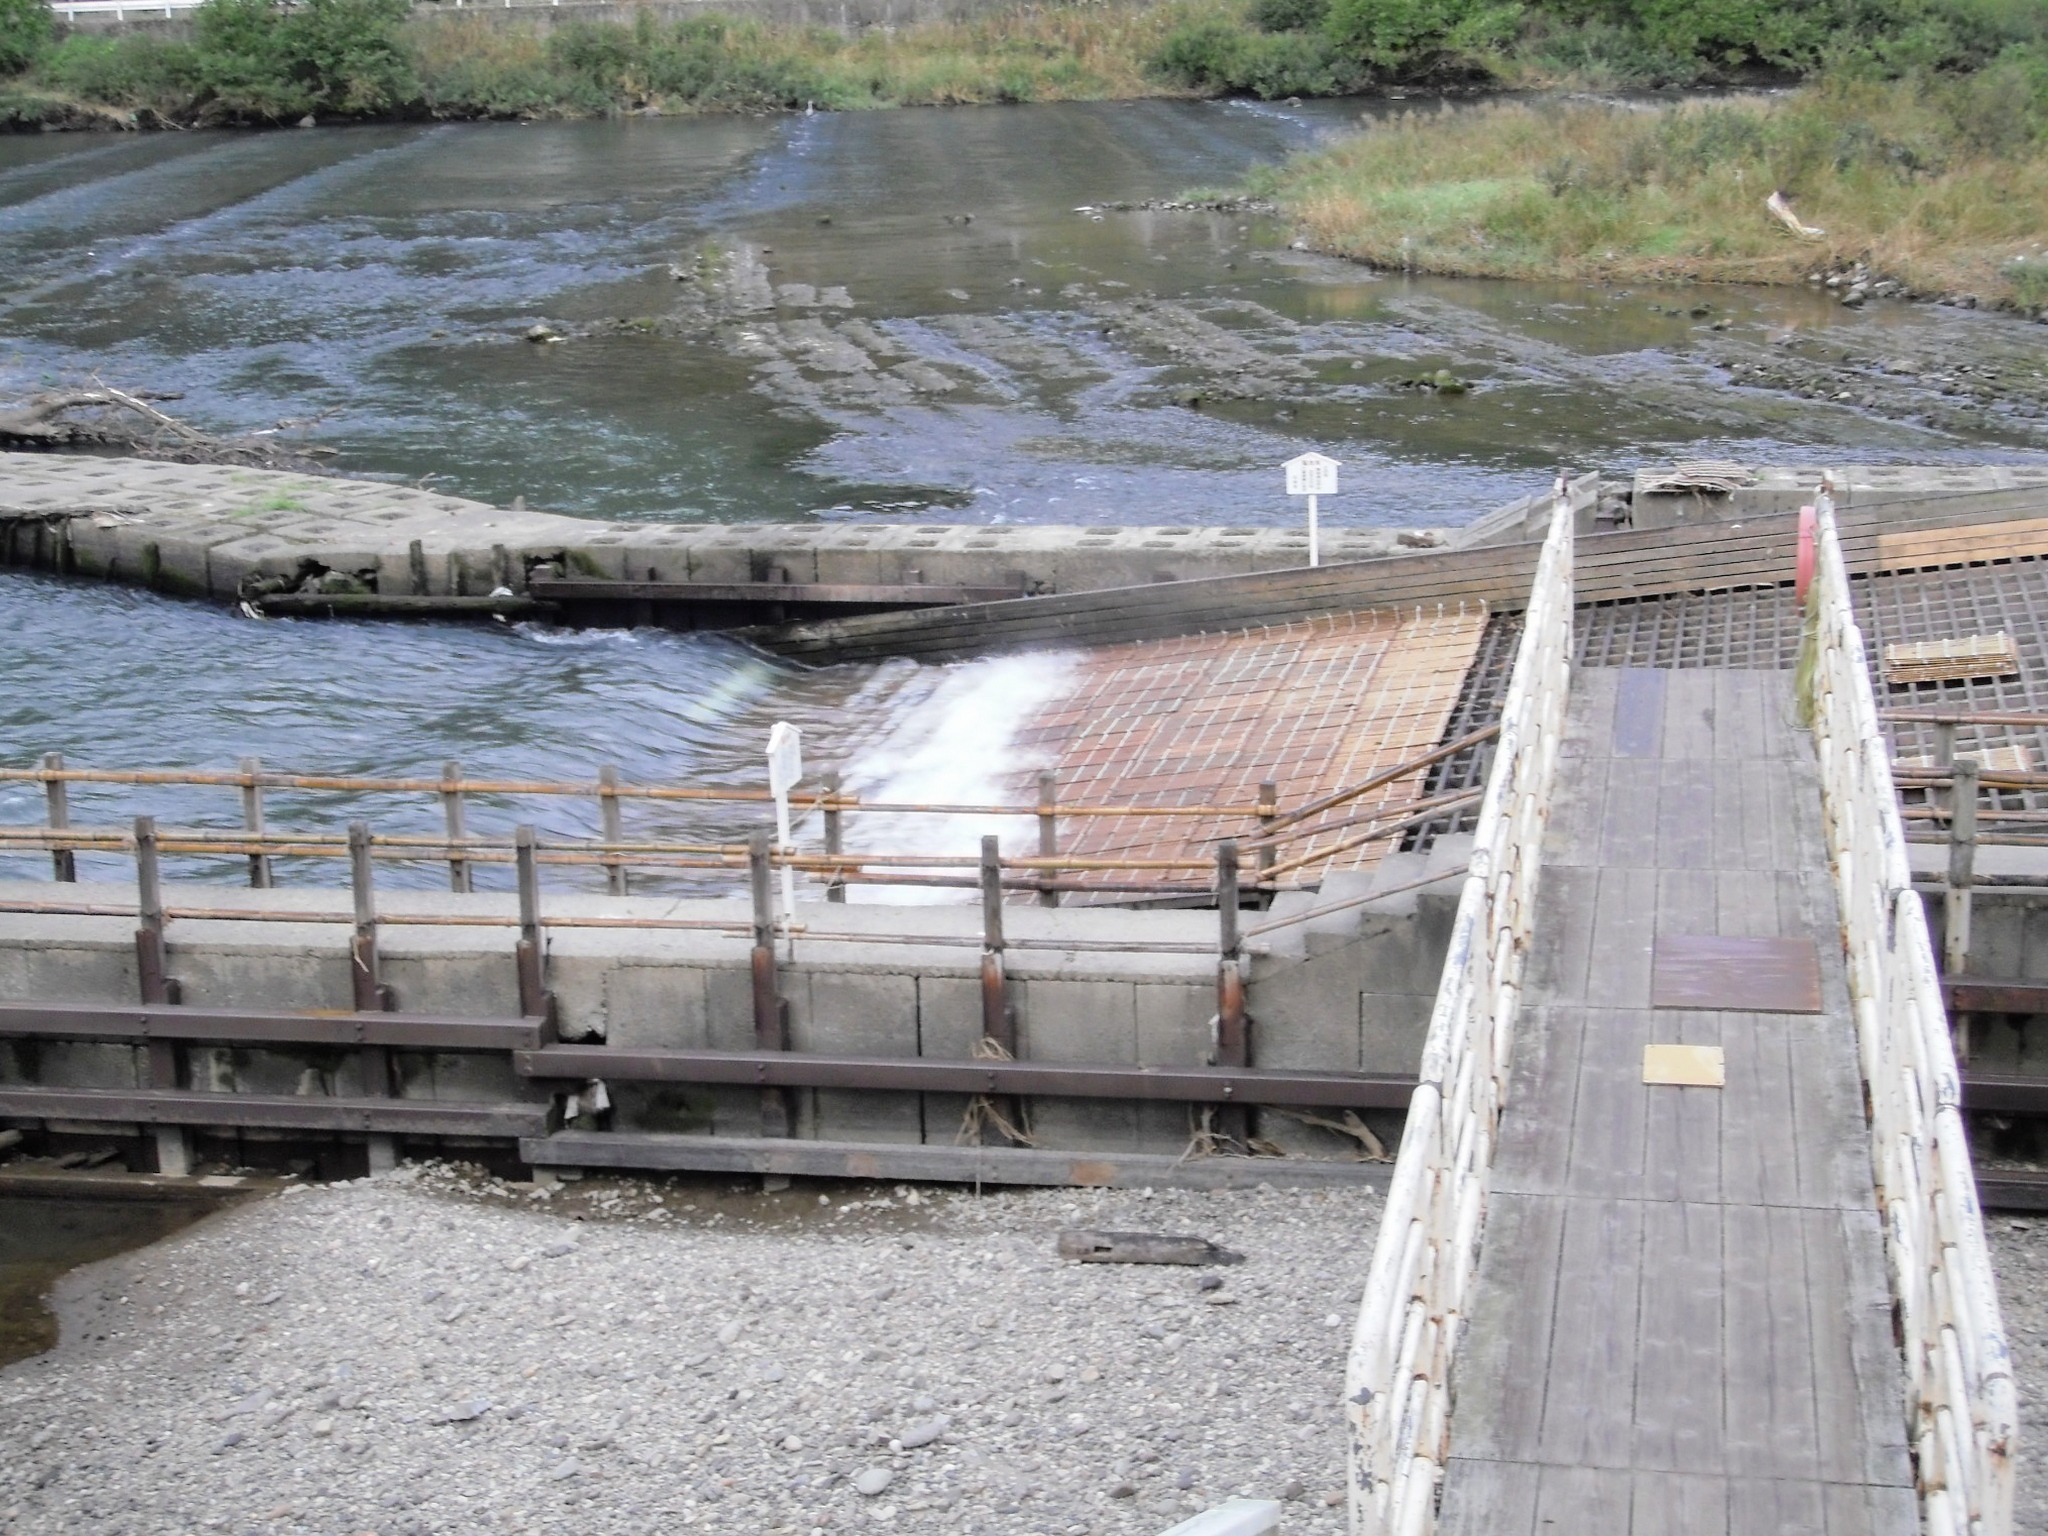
[1352, 997]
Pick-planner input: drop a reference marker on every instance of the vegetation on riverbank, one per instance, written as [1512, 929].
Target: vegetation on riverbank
[252, 61]
[1938, 184]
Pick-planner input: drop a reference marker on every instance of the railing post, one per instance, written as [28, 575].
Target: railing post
[531, 953]
[160, 1057]
[997, 1023]
[771, 1016]
[1233, 1044]
[1269, 807]
[608, 812]
[835, 836]
[1048, 836]
[371, 995]
[1962, 858]
[252, 821]
[56, 792]
[452, 808]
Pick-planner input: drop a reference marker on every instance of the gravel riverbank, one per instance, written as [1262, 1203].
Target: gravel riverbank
[436, 1354]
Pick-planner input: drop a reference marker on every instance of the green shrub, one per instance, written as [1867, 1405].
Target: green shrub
[1289, 15]
[1415, 39]
[24, 30]
[132, 71]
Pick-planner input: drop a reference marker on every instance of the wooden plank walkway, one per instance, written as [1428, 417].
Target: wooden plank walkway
[1682, 1322]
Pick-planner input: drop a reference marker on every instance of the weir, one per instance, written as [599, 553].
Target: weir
[1576, 862]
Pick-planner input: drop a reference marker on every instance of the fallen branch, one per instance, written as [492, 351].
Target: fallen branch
[104, 416]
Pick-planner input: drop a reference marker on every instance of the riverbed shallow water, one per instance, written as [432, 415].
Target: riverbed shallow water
[958, 315]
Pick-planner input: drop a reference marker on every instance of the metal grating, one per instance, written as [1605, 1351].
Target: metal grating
[1759, 627]
[1479, 703]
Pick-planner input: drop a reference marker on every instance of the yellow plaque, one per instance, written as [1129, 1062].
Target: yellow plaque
[1687, 1066]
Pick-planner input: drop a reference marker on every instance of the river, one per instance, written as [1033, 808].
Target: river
[931, 314]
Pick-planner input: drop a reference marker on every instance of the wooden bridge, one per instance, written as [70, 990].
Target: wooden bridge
[1683, 1236]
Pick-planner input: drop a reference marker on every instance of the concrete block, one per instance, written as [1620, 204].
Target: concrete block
[1081, 1021]
[287, 977]
[481, 985]
[476, 1077]
[948, 1016]
[33, 972]
[577, 981]
[729, 1011]
[659, 1007]
[86, 1064]
[866, 1015]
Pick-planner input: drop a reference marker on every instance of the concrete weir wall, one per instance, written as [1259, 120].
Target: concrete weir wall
[226, 533]
[1351, 994]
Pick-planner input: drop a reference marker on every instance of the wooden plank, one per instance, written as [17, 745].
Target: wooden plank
[1880, 1369]
[963, 1165]
[1867, 1509]
[1628, 832]
[1589, 1389]
[422, 1117]
[1502, 1364]
[1561, 948]
[1682, 1148]
[1689, 713]
[1768, 1506]
[1678, 1409]
[1587, 1501]
[1639, 705]
[1680, 1504]
[1534, 1154]
[1950, 546]
[1610, 1109]
[1623, 940]
[1490, 1498]
[577, 590]
[1840, 1450]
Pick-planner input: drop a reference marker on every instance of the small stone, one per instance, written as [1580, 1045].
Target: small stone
[1209, 1283]
[923, 1403]
[792, 1443]
[322, 1428]
[518, 1265]
[1124, 1491]
[924, 1434]
[730, 1333]
[557, 1250]
[229, 1441]
[1184, 1478]
[1292, 1489]
[462, 1413]
[871, 1482]
[1333, 1498]
[562, 1471]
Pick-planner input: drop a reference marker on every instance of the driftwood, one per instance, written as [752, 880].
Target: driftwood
[104, 416]
[1086, 1246]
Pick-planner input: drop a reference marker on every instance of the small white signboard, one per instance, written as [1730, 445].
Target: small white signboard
[1312, 475]
[785, 770]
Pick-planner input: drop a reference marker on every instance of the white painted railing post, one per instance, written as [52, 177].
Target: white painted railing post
[1397, 1384]
[1961, 1404]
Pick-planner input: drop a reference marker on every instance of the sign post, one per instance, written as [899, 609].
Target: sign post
[1312, 475]
[785, 768]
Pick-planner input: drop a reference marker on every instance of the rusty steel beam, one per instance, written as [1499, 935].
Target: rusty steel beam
[2005, 1092]
[1972, 994]
[837, 594]
[256, 1026]
[289, 1112]
[800, 1069]
[964, 1165]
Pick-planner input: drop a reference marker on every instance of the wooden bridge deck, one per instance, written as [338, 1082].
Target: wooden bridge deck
[1682, 1322]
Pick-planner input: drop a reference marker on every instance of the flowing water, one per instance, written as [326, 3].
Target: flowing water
[937, 314]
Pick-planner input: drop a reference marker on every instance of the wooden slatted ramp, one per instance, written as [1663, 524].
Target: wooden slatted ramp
[1682, 1322]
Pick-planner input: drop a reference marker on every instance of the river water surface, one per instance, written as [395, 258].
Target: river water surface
[929, 314]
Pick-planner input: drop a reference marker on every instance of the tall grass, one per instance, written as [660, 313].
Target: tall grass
[1941, 184]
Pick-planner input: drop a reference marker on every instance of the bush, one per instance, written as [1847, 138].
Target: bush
[132, 71]
[1289, 15]
[1415, 39]
[24, 31]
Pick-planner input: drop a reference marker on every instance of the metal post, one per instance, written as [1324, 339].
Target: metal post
[1048, 836]
[451, 804]
[771, 1018]
[370, 996]
[608, 809]
[63, 862]
[252, 821]
[996, 1021]
[1233, 1045]
[160, 1057]
[1962, 855]
[1269, 807]
[835, 836]
[534, 1001]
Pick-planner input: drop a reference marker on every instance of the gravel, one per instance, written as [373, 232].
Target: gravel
[433, 1352]
[2019, 1255]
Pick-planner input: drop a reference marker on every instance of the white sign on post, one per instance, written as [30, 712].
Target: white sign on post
[785, 769]
[1312, 475]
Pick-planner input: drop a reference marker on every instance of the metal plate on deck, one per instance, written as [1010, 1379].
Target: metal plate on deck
[1704, 970]
[1639, 711]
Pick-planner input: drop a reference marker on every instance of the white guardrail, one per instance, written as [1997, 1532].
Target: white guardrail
[1397, 1387]
[1962, 1408]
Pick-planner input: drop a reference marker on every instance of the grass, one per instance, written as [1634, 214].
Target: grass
[1942, 185]
[1071, 52]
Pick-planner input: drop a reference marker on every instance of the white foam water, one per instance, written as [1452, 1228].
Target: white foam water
[955, 746]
